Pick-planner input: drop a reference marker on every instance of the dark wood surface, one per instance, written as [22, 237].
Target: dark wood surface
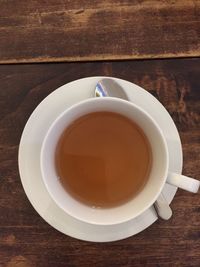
[26, 240]
[66, 30]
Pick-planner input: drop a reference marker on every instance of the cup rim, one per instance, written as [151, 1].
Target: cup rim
[83, 102]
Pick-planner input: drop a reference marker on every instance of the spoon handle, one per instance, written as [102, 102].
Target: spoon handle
[162, 208]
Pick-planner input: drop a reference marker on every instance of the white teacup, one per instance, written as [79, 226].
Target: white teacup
[159, 174]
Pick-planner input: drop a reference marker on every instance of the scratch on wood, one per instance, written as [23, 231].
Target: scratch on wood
[107, 68]
[79, 11]
[19, 261]
[38, 15]
[183, 89]
[9, 240]
[147, 81]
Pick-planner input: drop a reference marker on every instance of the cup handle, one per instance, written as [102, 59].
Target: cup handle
[183, 182]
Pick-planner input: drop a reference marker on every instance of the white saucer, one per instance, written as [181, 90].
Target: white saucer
[29, 154]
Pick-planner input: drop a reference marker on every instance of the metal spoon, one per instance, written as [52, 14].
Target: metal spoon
[109, 87]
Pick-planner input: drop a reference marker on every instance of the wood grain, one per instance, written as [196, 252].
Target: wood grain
[87, 30]
[26, 240]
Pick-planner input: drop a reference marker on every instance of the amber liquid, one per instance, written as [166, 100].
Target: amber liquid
[103, 159]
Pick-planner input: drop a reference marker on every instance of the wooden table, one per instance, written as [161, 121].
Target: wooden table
[65, 29]
[77, 30]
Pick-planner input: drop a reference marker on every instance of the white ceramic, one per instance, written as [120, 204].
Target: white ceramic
[29, 162]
